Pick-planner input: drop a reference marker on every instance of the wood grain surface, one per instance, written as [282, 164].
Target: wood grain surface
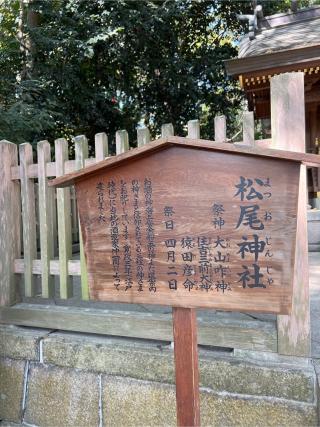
[186, 366]
[170, 244]
[288, 132]
[10, 243]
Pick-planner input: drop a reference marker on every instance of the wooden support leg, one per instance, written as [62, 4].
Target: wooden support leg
[186, 366]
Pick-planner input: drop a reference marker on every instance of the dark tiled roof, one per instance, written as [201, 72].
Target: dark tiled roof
[297, 31]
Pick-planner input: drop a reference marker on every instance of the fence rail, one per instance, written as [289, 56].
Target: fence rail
[27, 203]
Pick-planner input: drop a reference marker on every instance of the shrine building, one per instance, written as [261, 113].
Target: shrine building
[276, 44]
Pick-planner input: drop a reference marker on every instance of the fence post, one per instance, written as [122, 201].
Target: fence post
[122, 141]
[193, 129]
[45, 219]
[74, 215]
[288, 133]
[143, 136]
[64, 221]
[54, 221]
[101, 146]
[248, 128]
[28, 218]
[81, 150]
[9, 223]
[220, 129]
[167, 130]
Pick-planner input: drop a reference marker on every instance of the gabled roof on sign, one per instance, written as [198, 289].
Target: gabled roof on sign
[188, 143]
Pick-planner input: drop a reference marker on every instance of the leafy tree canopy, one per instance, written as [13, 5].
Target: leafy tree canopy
[78, 66]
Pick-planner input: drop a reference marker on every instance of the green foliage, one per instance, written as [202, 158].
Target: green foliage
[105, 65]
[78, 66]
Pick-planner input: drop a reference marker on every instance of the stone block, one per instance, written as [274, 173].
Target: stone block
[20, 343]
[264, 379]
[62, 397]
[11, 389]
[121, 357]
[222, 410]
[137, 403]
[149, 362]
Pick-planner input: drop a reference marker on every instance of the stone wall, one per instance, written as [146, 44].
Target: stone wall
[58, 379]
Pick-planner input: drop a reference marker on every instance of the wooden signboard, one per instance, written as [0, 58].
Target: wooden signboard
[190, 224]
[191, 228]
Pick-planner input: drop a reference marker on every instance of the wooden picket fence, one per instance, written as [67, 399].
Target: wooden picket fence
[53, 213]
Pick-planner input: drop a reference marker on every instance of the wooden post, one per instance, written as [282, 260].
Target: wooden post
[248, 128]
[220, 129]
[82, 153]
[288, 133]
[101, 146]
[28, 218]
[74, 215]
[186, 366]
[45, 219]
[122, 141]
[143, 136]
[54, 221]
[9, 222]
[193, 129]
[64, 221]
[167, 130]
